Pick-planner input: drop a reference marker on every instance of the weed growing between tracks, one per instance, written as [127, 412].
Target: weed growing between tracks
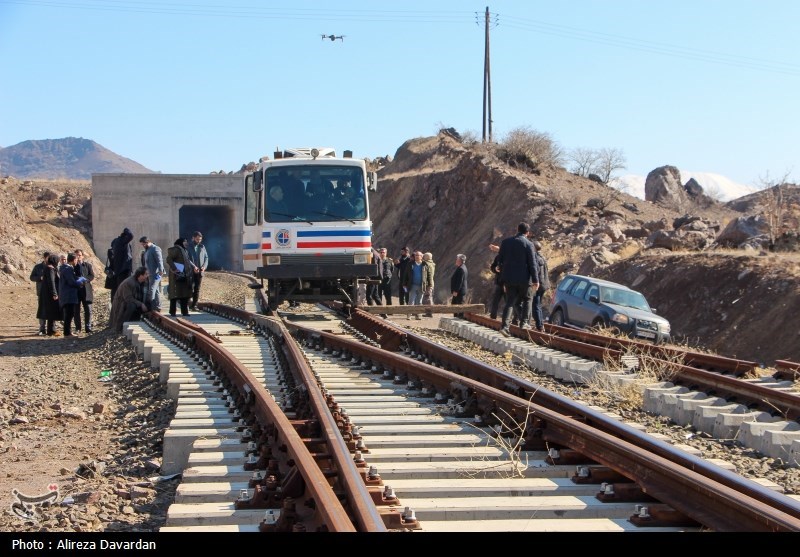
[643, 369]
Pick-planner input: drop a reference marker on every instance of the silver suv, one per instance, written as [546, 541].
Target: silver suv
[589, 302]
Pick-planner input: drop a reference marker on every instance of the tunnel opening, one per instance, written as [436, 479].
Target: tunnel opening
[216, 224]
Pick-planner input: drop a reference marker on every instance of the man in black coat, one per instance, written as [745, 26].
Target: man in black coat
[519, 273]
[400, 265]
[37, 276]
[121, 259]
[458, 282]
[499, 291]
[85, 269]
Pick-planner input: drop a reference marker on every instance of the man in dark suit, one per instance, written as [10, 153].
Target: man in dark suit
[519, 273]
[84, 269]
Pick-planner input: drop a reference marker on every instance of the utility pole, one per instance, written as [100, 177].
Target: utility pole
[487, 85]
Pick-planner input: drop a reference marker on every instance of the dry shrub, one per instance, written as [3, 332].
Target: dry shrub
[643, 368]
[508, 435]
[565, 199]
[528, 148]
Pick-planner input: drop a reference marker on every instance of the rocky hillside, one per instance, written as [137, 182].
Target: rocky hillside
[69, 158]
[441, 196]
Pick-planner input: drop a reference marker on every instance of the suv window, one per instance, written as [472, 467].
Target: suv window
[593, 291]
[580, 288]
[566, 284]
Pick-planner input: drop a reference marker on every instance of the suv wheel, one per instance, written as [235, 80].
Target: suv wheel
[557, 318]
[598, 323]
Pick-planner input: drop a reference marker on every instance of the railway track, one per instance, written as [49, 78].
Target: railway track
[314, 423]
[723, 397]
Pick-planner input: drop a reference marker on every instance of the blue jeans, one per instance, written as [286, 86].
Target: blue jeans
[415, 295]
[154, 295]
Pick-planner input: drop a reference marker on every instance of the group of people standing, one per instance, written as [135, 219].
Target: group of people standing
[65, 293]
[521, 277]
[520, 270]
[134, 293]
[416, 273]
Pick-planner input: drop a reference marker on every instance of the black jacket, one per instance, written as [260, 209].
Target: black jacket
[517, 261]
[121, 254]
[458, 281]
[495, 267]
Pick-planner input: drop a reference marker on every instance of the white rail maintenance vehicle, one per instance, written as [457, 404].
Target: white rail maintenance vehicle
[307, 227]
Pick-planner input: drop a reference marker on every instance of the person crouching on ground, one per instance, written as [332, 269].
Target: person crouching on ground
[128, 303]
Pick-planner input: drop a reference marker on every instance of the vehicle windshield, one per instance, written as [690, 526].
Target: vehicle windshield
[315, 193]
[627, 298]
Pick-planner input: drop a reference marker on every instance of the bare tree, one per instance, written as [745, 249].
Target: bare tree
[583, 161]
[609, 160]
[775, 205]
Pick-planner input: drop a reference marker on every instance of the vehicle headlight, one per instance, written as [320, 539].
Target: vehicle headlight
[361, 258]
[664, 327]
[273, 260]
[620, 318]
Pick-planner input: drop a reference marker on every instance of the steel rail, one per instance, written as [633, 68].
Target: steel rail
[367, 517]
[532, 391]
[787, 370]
[681, 487]
[267, 411]
[770, 400]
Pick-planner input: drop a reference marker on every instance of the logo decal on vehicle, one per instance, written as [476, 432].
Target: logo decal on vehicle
[282, 238]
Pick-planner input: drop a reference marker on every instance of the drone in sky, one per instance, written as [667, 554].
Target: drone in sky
[333, 37]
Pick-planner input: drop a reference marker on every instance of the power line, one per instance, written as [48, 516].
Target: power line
[417, 17]
[665, 49]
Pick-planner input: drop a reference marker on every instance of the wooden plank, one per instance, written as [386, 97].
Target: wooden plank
[438, 308]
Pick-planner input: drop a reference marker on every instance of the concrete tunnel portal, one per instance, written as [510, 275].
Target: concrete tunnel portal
[166, 207]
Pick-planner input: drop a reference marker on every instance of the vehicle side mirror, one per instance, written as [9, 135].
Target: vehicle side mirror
[258, 184]
[653, 310]
[372, 181]
[594, 299]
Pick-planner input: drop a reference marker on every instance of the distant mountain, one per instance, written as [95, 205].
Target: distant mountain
[71, 158]
[714, 185]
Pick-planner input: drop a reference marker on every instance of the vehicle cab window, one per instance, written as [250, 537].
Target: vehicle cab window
[594, 290]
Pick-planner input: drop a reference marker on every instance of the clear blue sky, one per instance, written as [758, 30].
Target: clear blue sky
[196, 86]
